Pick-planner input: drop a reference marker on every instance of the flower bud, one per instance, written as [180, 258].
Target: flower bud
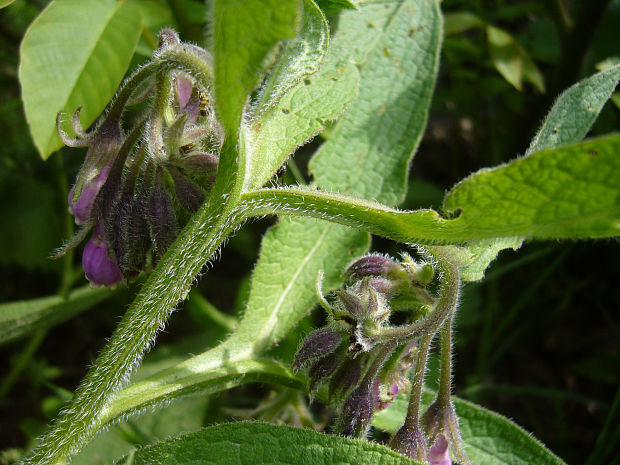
[409, 442]
[356, 412]
[99, 268]
[162, 221]
[345, 379]
[201, 161]
[133, 242]
[323, 368]
[82, 206]
[372, 265]
[318, 343]
[189, 195]
[352, 304]
[183, 87]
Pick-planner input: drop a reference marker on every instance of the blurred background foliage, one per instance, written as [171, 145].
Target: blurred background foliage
[538, 339]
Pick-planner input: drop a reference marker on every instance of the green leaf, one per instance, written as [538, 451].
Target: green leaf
[74, 54]
[571, 192]
[283, 282]
[18, 319]
[511, 59]
[461, 21]
[568, 121]
[298, 116]
[4, 3]
[300, 57]
[256, 443]
[489, 438]
[243, 34]
[290, 120]
[369, 154]
[575, 110]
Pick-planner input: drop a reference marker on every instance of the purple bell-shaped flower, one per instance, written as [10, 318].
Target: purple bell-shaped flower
[99, 268]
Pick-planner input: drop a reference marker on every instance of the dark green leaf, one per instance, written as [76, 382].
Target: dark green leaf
[18, 319]
[575, 110]
[258, 443]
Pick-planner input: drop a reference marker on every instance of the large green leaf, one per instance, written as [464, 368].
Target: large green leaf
[259, 443]
[571, 192]
[18, 319]
[243, 34]
[369, 154]
[489, 438]
[575, 110]
[298, 116]
[74, 54]
[4, 3]
[292, 111]
[568, 121]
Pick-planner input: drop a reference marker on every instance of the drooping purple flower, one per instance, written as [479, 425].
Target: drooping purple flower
[99, 268]
[384, 399]
[438, 454]
[81, 207]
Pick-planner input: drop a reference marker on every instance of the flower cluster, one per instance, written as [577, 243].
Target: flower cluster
[354, 355]
[138, 185]
[365, 360]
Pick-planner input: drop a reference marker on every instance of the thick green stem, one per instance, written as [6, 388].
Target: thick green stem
[168, 284]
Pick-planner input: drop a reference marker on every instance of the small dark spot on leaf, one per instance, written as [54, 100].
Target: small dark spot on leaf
[386, 52]
[370, 25]
[286, 111]
[555, 130]
[593, 153]
[411, 33]
[307, 82]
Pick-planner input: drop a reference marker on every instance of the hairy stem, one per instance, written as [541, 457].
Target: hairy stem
[445, 374]
[169, 283]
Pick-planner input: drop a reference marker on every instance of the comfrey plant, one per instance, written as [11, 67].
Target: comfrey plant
[132, 190]
[179, 159]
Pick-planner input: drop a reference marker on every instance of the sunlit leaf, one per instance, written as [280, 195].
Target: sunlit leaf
[74, 54]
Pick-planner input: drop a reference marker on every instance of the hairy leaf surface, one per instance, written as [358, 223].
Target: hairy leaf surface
[18, 319]
[254, 443]
[489, 438]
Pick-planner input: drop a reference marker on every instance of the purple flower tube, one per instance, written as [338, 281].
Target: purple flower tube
[99, 268]
[83, 205]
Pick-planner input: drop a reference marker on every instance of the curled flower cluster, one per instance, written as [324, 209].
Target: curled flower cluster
[137, 186]
[351, 355]
[365, 361]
